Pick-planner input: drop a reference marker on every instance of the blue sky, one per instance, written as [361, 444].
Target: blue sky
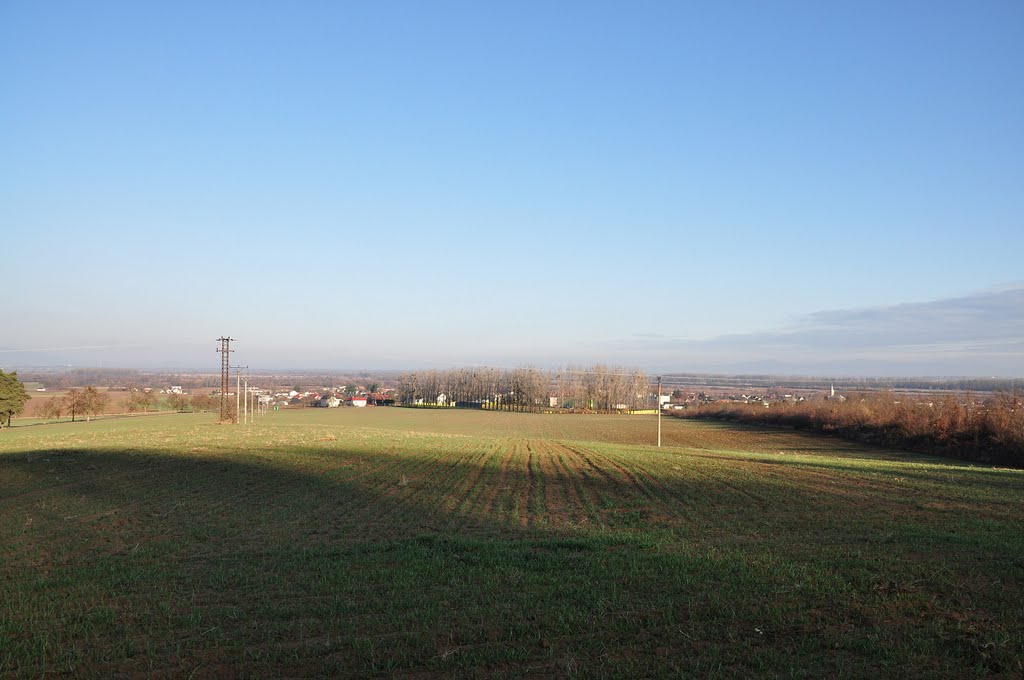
[661, 184]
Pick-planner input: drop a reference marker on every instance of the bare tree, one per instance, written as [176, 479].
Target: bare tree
[203, 402]
[178, 402]
[140, 400]
[73, 402]
[87, 402]
[52, 409]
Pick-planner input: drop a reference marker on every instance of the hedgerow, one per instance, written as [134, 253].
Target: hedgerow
[964, 426]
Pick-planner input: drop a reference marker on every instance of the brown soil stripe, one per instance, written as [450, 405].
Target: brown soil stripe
[511, 505]
[460, 480]
[586, 501]
[472, 494]
[615, 489]
[393, 507]
[491, 506]
[717, 480]
[529, 512]
[558, 508]
[377, 484]
[634, 481]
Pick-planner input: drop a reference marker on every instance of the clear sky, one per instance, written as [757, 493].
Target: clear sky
[676, 186]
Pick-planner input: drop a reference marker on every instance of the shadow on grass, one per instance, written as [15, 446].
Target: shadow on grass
[324, 560]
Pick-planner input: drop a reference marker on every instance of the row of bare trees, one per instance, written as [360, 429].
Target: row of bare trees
[85, 402]
[597, 388]
[90, 401]
[143, 401]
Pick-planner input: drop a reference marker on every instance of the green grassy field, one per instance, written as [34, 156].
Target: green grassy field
[409, 543]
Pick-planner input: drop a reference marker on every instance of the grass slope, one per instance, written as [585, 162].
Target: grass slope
[393, 542]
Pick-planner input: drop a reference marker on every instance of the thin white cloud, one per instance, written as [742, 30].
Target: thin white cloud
[67, 349]
[979, 333]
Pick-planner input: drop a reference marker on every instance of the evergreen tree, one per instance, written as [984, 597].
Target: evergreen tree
[12, 397]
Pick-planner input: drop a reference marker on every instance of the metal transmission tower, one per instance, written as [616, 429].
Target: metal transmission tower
[225, 375]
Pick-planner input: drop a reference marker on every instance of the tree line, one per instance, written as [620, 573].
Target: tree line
[596, 388]
[89, 401]
[967, 426]
[85, 402]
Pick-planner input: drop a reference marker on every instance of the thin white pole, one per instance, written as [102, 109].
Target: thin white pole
[659, 411]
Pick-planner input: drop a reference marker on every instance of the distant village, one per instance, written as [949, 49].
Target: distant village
[360, 396]
[681, 399]
[334, 397]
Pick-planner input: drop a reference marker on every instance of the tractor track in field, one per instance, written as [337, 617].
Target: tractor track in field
[390, 497]
[578, 493]
[530, 517]
[673, 501]
[863, 491]
[581, 488]
[514, 502]
[717, 480]
[621, 481]
[490, 506]
[440, 500]
[660, 501]
[645, 488]
[466, 498]
[806, 478]
[560, 506]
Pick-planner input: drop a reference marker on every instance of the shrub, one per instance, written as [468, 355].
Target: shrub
[960, 426]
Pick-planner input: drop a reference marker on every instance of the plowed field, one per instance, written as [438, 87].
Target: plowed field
[396, 543]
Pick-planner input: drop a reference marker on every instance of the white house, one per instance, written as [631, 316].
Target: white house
[358, 400]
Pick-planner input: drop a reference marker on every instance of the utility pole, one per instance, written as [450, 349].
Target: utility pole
[238, 389]
[225, 374]
[659, 411]
[245, 402]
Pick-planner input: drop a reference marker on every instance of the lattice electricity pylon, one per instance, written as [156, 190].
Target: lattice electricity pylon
[225, 376]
